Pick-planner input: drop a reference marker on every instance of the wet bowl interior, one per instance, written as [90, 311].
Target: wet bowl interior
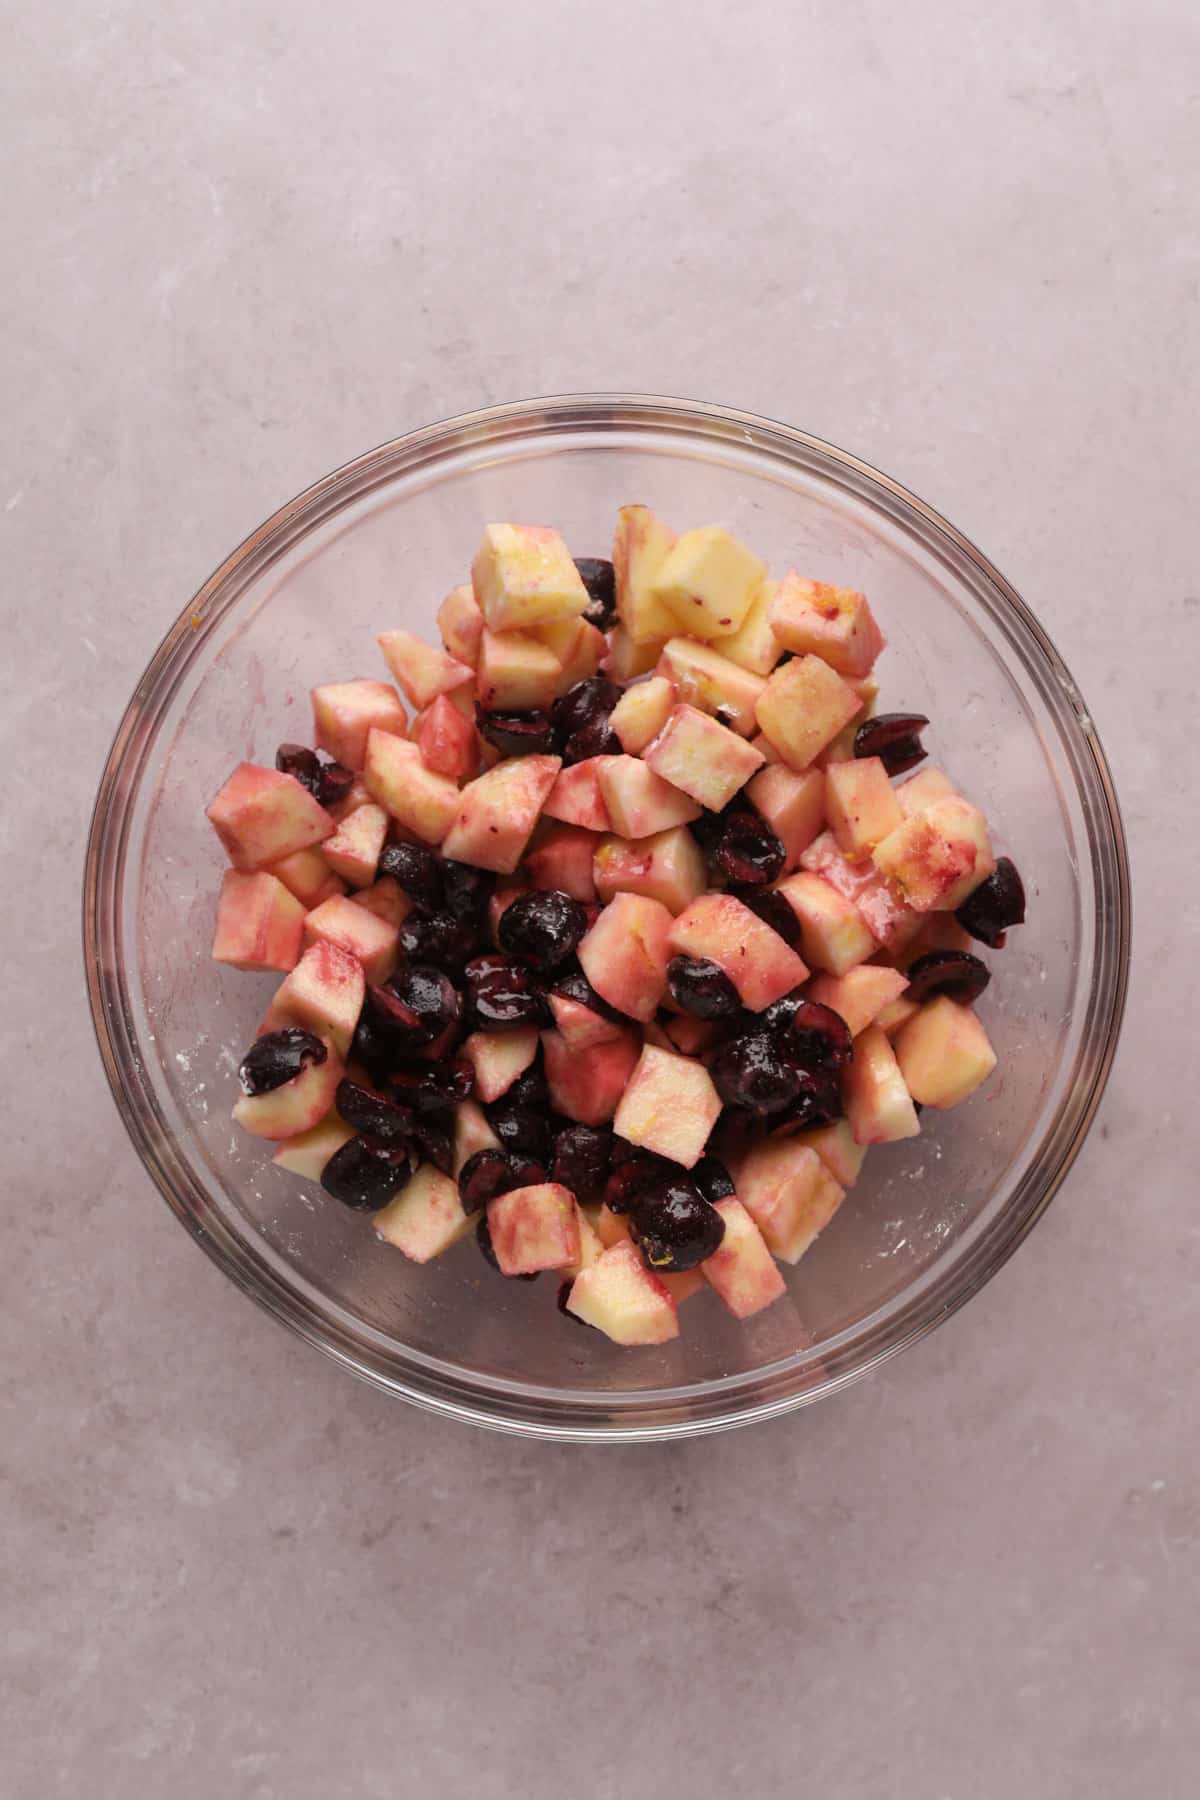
[377, 545]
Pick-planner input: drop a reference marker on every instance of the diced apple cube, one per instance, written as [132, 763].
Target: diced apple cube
[860, 995]
[576, 797]
[860, 805]
[425, 1217]
[692, 1036]
[472, 1132]
[307, 1154]
[760, 965]
[895, 1016]
[833, 935]
[803, 707]
[767, 750]
[625, 954]
[590, 1248]
[891, 922]
[359, 933]
[294, 1108]
[742, 1271]
[516, 672]
[641, 713]
[754, 644]
[702, 758]
[586, 1084]
[581, 1026]
[260, 924]
[640, 546]
[498, 1057]
[353, 850]
[708, 581]
[923, 790]
[423, 670]
[611, 1228]
[710, 682]
[356, 795]
[461, 624]
[498, 811]
[261, 815]
[944, 1053]
[834, 623]
[668, 866]
[878, 1104]
[446, 738]
[534, 1228]
[837, 1149]
[524, 575]
[345, 711]
[669, 1106]
[562, 860]
[936, 931]
[638, 801]
[577, 648]
[423, 802]
[938, 857]
[793, 806]
[306, 874]
[627, 658]
[324, 993]
[620, 1296]
[386, 899]
[789, 1193]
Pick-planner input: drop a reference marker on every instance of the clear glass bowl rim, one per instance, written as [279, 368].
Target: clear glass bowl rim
[510, 1406]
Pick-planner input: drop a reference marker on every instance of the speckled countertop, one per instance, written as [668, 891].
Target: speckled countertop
[247, 241]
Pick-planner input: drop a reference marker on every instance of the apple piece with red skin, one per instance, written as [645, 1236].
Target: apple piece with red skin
[625, 954]
[638, 801]
[641, 713]
[590, 1248]
[860, 995]
[742, 1272]
[622, 1298]
[261, 816]
[516, 672]
[498, 1057]
[498, 811]
[702, 758]
[357, 931]
[423, 670]
[833, 934]
[668, 867]
[423, 803]
[708, 581]
[789, 1193]
[669, 1107]
[834, 623]
[353, 850]
[891, 922]
[356, 795]
[306, 874]
[471, 1133]
[307, 1154]
[793, 806]
[561, 860]
[534, 1228]
[760, 965]
[860, 805]
[324, 993]
[344, 713]
[711, 683]
[446, 738]
[878, 1104]
[523, 575]
[938, 857]
[586, 1085]
[294, 1108]
[944, 1053]
[580, 1026]
[260, 924]
[576, 797]
[627, 658]
[425, 1217]
[803, 707]
[923, 790]
[461, 624]
[386, 899]
[754, 645]
[837, 1149]
[641, 543]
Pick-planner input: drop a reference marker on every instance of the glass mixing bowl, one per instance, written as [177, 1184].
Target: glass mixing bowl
[377, 545]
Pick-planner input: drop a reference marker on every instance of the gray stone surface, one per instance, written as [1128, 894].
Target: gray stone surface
[245, 242]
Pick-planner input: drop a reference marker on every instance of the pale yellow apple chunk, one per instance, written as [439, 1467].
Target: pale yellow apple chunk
[708, 581]
[754, 644]
[425, 1217]
[938, 857]
[640, 546]
[878, 1104]
[705, 679]
[944, 1053]
[620, 1296]
[669, 1107]
[702, 758]
[789, 1193]
[524, 575]
[803, 707]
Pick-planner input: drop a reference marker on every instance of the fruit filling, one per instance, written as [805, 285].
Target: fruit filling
[617, 954]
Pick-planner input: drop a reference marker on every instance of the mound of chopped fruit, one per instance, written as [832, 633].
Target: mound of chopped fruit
[622, 949]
